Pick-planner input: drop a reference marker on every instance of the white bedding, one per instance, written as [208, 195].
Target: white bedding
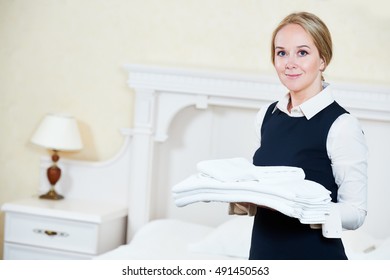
[169, 239]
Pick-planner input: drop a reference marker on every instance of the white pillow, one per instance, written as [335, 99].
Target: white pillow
[360, 246]
[232, 239]
[357, 241]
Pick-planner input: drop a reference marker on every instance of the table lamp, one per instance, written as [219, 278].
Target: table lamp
[57, 132]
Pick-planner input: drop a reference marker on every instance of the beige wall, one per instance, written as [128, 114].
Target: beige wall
[67, 56]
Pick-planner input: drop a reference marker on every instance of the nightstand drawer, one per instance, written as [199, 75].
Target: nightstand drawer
[14, 251]
[51, 233]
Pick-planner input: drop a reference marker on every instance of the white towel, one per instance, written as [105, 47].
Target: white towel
[306, 216]
[306, 200]
[240, 169]
[297, 190]
[282, 188]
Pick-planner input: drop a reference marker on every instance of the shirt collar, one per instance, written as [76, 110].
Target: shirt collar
[310, 107]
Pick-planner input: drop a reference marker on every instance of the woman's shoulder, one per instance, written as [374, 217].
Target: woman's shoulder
[347, 123]
[262, 111]
[348, 119]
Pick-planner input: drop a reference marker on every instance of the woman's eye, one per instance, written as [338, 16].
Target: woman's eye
[281, 53]
[302, 53]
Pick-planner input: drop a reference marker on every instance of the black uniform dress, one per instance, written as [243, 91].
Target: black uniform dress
[299, 142]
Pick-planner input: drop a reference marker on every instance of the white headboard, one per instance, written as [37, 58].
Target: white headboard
[184, 116]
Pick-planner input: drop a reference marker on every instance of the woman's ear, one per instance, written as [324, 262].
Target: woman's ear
[322, 65]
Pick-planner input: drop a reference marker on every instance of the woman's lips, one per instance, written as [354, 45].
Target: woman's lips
[293, 76]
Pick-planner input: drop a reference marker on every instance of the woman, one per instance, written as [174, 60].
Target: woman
[308, 129]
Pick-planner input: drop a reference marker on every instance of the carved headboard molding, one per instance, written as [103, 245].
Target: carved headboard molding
[181, 88]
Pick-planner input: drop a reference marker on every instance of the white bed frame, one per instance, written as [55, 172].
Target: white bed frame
[183, 116]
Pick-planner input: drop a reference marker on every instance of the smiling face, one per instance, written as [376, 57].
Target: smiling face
[297, 61]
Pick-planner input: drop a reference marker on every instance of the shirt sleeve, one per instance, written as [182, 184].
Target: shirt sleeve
[257, 126]
[348, 152]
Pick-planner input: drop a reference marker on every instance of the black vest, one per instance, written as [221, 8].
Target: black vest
[299, 142]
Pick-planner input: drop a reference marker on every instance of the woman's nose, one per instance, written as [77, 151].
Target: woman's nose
[291, 63]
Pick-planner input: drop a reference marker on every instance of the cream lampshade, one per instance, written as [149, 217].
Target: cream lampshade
[57, 132]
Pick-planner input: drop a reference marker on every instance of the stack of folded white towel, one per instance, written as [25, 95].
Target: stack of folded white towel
[282, 188]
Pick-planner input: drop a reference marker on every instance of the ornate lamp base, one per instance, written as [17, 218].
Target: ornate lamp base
[52, 195]
[53, 175]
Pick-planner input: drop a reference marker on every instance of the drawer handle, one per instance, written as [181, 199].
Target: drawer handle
[51, 232]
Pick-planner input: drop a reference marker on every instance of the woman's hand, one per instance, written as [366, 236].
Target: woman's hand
[247, 205]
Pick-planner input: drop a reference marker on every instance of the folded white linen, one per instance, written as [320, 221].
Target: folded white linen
[303, 199]
[240, 169]
[297, 190]
[249, 196]
[306, 216]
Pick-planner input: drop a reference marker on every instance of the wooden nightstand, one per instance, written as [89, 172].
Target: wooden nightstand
[65, 229]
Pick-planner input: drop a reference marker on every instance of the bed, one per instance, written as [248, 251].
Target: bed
[176, 108]
[172, 239]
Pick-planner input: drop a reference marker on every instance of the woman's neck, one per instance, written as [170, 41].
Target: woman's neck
[299, 97]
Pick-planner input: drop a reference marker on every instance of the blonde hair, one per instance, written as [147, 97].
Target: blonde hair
[315, 27]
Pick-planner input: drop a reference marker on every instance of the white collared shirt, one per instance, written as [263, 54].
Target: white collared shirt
[347, 150]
